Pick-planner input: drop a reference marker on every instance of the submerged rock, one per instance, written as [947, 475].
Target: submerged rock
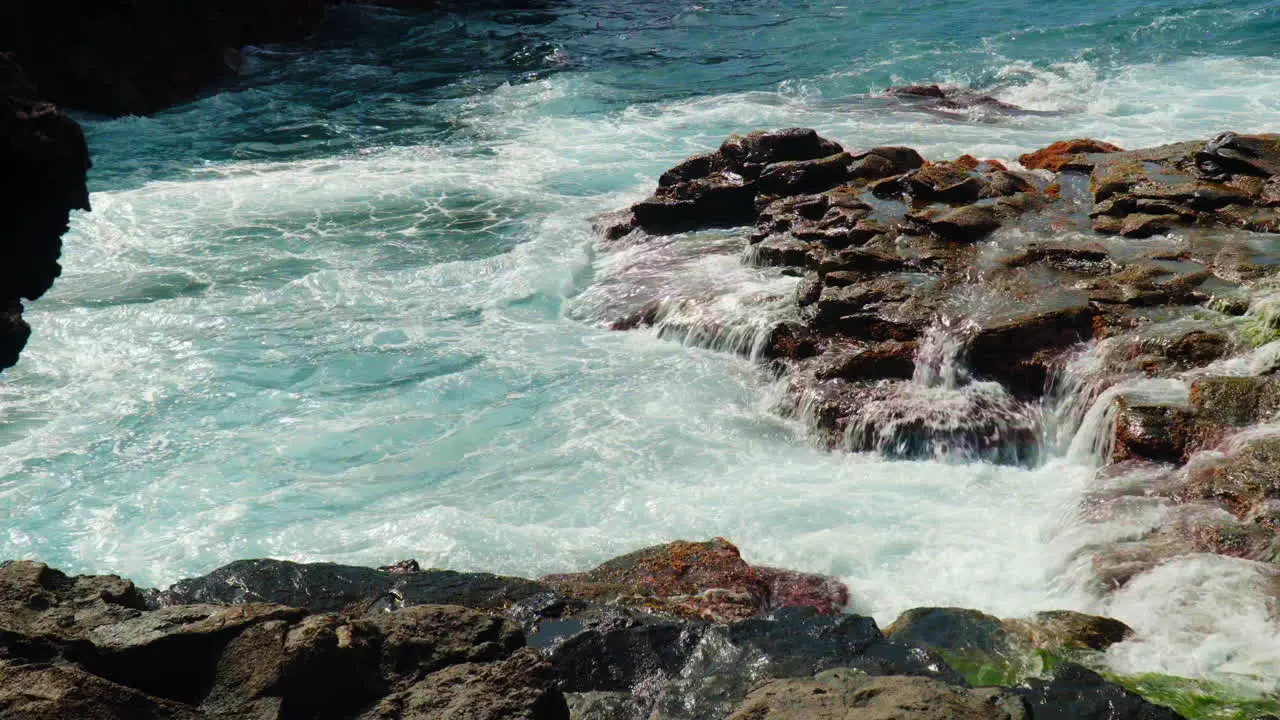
[941, 97]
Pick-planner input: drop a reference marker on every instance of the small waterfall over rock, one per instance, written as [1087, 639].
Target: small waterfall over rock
[938, 361]
[942, 413]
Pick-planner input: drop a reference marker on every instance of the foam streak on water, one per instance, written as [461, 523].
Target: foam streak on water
[351, 308]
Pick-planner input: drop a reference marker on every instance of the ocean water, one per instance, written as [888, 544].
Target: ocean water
[348, 307]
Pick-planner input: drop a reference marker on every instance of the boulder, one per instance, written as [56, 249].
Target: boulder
[1067, 629]
[522, 687]
[719, 189]
[975, 640]
[942, 182]
[790, 341]
[42, 611]
[328, 587]
[1151, 431]
[805, 176]
[721, 200]
[967, 223]
[614, 225]
[882, 162]
[1065, 155]
[695, 670]
[1077, 693]
[750, 153]
[1033, 333]
[890, 359]
[425, 638]
[1231, 154]
[707, 580]
[904, 419]
[781, 251]
[173, 652]
[794, 642]
[58, 692]
[942, 97]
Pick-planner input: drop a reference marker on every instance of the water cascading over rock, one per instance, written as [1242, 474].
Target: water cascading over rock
[960, 310]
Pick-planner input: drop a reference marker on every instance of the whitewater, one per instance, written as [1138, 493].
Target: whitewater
[350, 308]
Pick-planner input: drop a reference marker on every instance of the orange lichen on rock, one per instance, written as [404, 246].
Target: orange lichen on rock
[1058, 155]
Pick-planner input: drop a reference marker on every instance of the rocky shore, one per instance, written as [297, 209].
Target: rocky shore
[964, 309]
[685, 630]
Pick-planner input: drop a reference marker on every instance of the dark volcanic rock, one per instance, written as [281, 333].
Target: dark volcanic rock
[960, 632]
[43, 161]
[1076, 693]
[1023, 373]
[326, 587]
[700, 670]
[719, 189]
[54, 692]
[1231, 154]
[89, 648]
[950, 98]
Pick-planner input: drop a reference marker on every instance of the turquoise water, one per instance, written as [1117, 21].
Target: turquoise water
[348, 306]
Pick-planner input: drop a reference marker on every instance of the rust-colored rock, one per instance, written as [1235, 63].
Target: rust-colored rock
[707, 580]
[1062, 154]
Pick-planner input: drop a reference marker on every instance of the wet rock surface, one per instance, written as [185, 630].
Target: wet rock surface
[326, 587]
[43, 161]
[914, 268]
[97, 646]
[707, 581]
[946, 308]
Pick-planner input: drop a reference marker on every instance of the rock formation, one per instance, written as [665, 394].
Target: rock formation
[43, 160]
[265, 639]
[941, 303]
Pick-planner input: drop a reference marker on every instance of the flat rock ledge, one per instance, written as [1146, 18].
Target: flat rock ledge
[686, 630]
